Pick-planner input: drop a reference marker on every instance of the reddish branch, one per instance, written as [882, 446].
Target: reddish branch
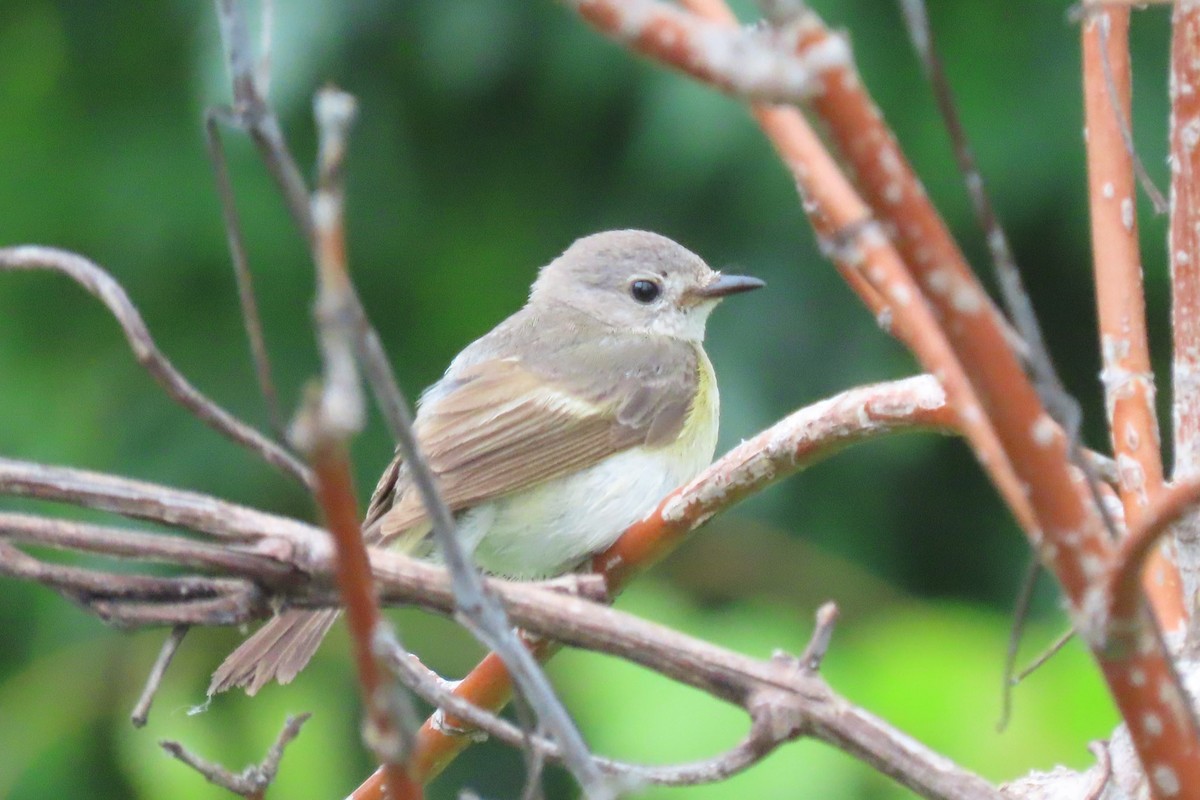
[1177, 502]
[1069, 535]
[1184, 242]
[335, 494]
[324, 423]
[1125, 353]
[747, 63]
[1184, 254]
[787, 447]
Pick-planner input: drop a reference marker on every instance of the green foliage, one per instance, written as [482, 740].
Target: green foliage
[491, 134]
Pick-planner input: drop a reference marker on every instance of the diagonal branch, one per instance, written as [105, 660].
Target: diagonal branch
[1068, 533]
[748, 63]
[791, 445]
[101, 285]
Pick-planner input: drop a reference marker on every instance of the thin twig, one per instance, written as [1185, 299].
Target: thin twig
[1104, 762]
[252, 114]
[247, 298]
[142, 709]
[779, 717]
[141, 545]
[251, 782]
[104, 288]
[535, 757]
[1157, 200]
[1020, 615]
[157, 503]
[1167, 508]
[432, 689]
[1037, 663]
[1059, 404]
[822, 635]
[84, 584]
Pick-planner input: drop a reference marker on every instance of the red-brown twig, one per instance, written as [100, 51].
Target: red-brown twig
[806, 706]
[1183, 251]
[389, 734]
[1069, 534]
[320, 224]
[745, 62]
[787, 447]
[1127, 376]
[1176, 502]
[325, 423]
[1071, 540]
[784, 694]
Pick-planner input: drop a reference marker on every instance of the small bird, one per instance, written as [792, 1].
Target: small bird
[552, 433]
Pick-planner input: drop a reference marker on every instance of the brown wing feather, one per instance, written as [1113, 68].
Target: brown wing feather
[501, 425]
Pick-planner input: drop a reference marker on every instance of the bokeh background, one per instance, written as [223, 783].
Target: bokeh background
[492, 133]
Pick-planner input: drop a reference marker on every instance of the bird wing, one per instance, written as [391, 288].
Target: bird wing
[502, 425]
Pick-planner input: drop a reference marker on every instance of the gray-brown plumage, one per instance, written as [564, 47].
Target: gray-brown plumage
[553, 432]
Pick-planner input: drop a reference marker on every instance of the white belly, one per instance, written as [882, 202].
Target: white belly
[549, 529]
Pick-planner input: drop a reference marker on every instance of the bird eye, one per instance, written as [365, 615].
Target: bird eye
[645, 291]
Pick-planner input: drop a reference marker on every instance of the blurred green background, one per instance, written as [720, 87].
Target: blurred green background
[491, 134]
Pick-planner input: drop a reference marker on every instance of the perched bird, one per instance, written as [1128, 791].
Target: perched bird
[551, 434]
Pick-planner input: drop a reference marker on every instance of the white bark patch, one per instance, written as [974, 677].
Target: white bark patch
[1133, 477]
[966, 299]
[1127, 213]
[1152, 724]
[889, 162]
[938, 280]
[1137, 676]
[675, 509]
[1108, 190]
[1043, 431]
[1092, 565]
[750, 66]
[832, 53]
[1165, 780]
[1132, 440]
[1092, 621]
[1189, 134]
[901, 294]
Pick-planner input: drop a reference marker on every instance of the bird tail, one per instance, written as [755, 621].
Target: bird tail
[282, 647]
[277, 651]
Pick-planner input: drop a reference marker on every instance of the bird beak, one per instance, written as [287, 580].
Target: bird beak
[724, 285]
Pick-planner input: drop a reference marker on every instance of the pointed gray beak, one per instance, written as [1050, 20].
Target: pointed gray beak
[726, 285]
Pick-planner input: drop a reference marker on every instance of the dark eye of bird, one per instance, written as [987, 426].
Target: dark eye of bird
[645, 291]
